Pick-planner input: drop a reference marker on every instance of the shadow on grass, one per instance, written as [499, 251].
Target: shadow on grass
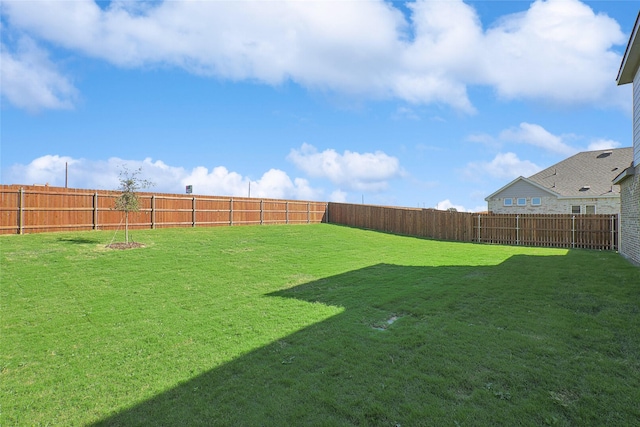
[79, 240]
[454, 345]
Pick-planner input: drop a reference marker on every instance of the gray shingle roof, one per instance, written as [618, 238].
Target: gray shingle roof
[586, 174]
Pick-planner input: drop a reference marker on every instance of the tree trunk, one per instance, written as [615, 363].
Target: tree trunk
[126, 227]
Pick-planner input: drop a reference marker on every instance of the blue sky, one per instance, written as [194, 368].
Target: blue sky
[423, 103]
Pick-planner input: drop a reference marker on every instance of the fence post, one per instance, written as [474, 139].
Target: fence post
[517, 229]
[193, 212]
[286, 212]
[153, 211]
[231, 211]
[95, 210]
[573, 231]
[308, 213]
[261, 211]
[20, 210]
[326, 212]
[612, 233]
[479, 233]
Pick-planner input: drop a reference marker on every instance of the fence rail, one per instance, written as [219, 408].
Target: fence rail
[557, 230]
[35, 209]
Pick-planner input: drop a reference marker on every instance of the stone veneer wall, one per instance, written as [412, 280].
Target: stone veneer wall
[630, 217]
[552, 205]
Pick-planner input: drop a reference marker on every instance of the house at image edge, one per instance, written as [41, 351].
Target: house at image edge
[581, 184]
[629, 179]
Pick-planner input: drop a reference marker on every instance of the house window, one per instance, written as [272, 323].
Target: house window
[590, 209]
[575, 209]
[536, 201]
[508, 202]
[522, 201]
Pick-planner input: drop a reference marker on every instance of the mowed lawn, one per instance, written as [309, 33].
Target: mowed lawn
[315, 325]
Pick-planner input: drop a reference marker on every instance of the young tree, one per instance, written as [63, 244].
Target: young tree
[127, 202]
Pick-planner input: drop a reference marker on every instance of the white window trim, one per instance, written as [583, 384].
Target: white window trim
[521, 204]
[510, 202]
[536, 204]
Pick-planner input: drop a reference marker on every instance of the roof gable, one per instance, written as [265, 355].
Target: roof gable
[519, 180]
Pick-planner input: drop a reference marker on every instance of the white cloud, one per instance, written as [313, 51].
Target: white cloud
[356, 171]
[29, 80]
[537, 136]
[603, 144]
[338, 196]
[447, 204]
[503, 166]
[83, 173]
[435, 66]
[277, 184]
[43, 170]
[558, 50]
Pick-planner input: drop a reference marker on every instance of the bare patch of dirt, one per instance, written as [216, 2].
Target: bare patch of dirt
[122, 245]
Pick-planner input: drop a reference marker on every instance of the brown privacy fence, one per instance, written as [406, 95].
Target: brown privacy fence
[563, 231]
[36, 209]
[559, 231]
[429, 223]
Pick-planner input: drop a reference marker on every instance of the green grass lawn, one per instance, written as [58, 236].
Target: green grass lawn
[314, 325]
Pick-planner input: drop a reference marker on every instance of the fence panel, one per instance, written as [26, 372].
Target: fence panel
[10, 211]
[246, 212]
[213, 211]
[275, 212]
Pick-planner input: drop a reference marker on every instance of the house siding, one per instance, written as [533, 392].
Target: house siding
[553, 205]
[636, 119]
[630, 217]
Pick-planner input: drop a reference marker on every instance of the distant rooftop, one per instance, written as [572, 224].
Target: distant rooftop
[586, 174]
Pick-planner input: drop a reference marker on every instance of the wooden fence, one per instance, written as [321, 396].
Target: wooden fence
[562, 231]
[559, 231]
[35, 209]
[431, 223]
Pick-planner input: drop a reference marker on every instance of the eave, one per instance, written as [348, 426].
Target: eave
[624, 175]
[631, 58]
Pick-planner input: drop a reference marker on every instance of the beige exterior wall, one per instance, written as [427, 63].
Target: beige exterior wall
[636, 119]
[553, 205]
[630, 217]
